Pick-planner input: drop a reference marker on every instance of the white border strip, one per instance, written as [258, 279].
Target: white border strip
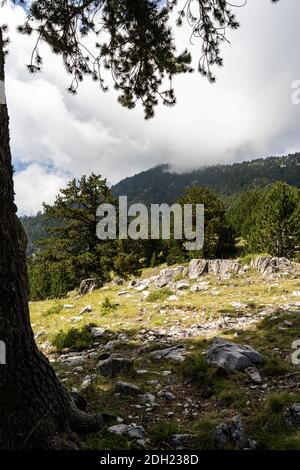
[2, 93]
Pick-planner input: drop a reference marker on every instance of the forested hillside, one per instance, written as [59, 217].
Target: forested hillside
[159, 185]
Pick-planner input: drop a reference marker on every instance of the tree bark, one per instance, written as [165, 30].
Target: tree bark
[34, 406]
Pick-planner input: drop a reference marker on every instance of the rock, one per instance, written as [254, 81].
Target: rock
[141, 287]
[254, 374]
[235, 433]
[117, 281]
[89, 285]
[232, 356]
[68, 306]
[197, 268]
[291, 416]
[223, 267]
[111, 345]
[73, 360]
[182, 440]
[239, 436]
[269, 266]
[167, 395]
[222, 435]
[133, 432]
[40, 334]
[142, 371]
[132, 284]
[114, 366]
[181, 285]
[76, 319]
[136, 432]
[172, 298]
[86, 309]
[96, 332]
[166, 276]
[87, 381]
[199, 287]
[219, 267]
[125, 388]
[123, 292]
[174, 353]
[122, 337]
[147, 398]
[119, 429]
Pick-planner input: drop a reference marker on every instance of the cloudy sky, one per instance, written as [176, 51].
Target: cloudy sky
[248, 113]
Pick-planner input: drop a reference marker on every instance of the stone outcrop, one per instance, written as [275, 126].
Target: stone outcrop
[235, 357]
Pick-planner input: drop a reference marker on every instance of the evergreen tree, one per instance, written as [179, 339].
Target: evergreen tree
[219, 236]
[276, 224]
[72, 251]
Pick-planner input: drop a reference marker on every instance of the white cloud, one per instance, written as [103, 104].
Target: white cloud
[247, 113]
[36, 184]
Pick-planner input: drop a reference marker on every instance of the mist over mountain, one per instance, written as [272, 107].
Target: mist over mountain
[160, 184]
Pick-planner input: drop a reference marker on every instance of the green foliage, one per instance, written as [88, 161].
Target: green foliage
[73, 252]
[107, 306]
[159, 294]
[269, 219]
[74, 338]
[219, 237]
[134, 40]
[162, 432]
[232, 399]
[159, 184]
[196, 368]
[57, 308]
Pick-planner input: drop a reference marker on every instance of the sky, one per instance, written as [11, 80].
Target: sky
[247, 114]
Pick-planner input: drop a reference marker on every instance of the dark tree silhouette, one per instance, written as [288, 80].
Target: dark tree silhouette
[136, 45]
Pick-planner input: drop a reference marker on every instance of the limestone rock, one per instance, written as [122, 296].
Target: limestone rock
[232, 356]
[114, 366]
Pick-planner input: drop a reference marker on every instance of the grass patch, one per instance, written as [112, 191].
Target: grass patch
[107, 306]
[110, 441]
[161, 433]
[159, 295]
[233, 399]
[74, 338]
[54, 310]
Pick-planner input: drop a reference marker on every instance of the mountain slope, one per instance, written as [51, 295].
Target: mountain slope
[159, 185]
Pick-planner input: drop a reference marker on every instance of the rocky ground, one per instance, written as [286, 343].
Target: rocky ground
[202, 356]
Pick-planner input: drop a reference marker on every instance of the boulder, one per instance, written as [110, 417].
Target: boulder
[89, 285]
[174, 353]
[291, 416]
[272, 266]
[166, 276]
[125, 388]
[182, 440]
[167, 395]
[133, 432]
[232, 356]
[147, 398]
[97, 332]
[117, 281]
[223, 267]
[233, 433]
[197, 268]
[114, 366]
[86, 309]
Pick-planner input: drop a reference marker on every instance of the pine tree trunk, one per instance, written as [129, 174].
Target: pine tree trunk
[34, 406]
